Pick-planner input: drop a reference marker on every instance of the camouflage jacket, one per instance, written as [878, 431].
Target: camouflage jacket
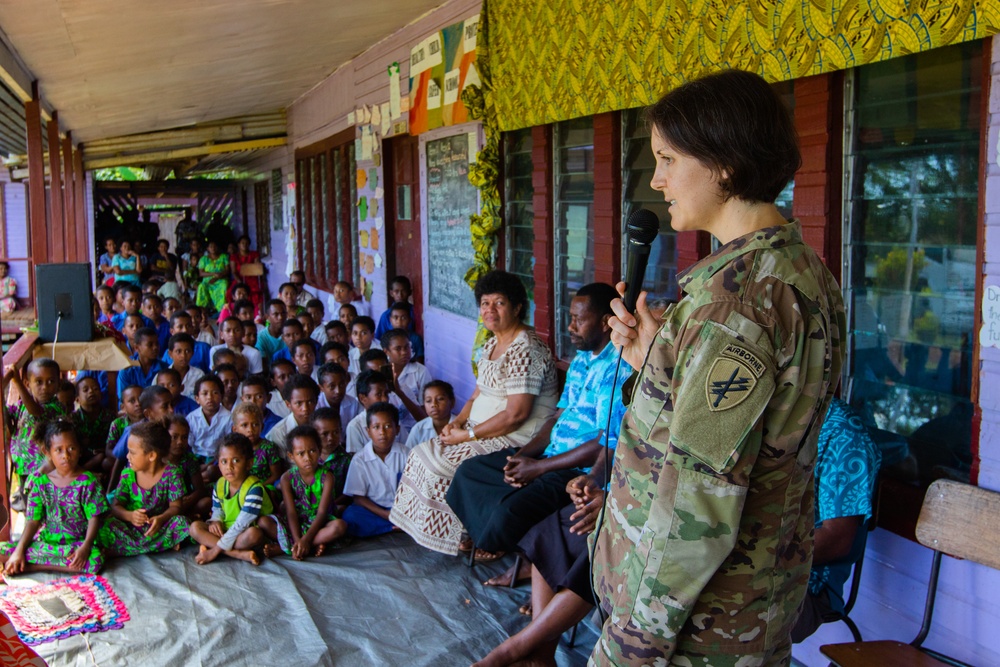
[706, 542]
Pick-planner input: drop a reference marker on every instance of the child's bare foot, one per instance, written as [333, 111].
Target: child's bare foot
[177, 547]
[319, 550]
[206, 555]
[273, 551]
[525, 609]
[249, 555]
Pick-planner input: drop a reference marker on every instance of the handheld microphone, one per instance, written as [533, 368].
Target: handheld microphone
[641, 229]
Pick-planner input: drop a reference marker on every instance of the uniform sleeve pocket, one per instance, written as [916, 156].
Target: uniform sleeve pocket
[727, 383]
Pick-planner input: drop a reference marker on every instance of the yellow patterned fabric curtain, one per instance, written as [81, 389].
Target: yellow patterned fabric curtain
[565, 59]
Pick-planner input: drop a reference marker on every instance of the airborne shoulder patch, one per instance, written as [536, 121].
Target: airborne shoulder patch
[732, 377]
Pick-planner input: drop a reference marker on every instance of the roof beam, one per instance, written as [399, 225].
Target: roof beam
[196, 151]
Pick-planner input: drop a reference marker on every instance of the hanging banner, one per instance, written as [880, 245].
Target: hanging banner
[441, 66]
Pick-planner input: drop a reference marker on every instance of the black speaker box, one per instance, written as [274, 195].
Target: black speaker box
[64, 291]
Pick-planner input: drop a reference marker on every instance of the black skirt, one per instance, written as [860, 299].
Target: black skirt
[560, 556]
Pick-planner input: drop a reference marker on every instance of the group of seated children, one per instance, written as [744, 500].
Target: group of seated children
[266, 442]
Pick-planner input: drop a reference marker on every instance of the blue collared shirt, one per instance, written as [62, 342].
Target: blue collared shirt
[585, 401]
[118, 321]
[134, 375]
[200, 359]
[185, 406]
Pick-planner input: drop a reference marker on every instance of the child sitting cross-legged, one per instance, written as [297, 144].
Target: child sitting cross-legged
[300, 394]
[333, 381]
[309, 492]
[267, 460]
[372, 388]
[146, 510]
[197, 501]
[63, 512]
[439, 401]
[156, 403]
[332, 454]
[374, 474]
[240, 522]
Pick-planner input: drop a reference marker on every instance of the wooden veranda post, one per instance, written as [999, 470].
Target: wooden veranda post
[36, 187]
[57, 223]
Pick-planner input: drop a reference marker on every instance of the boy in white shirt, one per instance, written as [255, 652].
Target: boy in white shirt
[363, 339]
[281, 370]
[333, 381]
[300, 393]
[211, 421]
[408, 377]
[439, 401]
[372, 388]
[231, 335]
[375, 473]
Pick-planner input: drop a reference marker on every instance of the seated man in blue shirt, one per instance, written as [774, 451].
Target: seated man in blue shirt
[500, 496]
[847, 464]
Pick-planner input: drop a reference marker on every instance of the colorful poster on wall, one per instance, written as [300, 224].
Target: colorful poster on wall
[441, 66]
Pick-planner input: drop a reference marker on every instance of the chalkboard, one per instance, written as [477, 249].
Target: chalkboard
[451, 199]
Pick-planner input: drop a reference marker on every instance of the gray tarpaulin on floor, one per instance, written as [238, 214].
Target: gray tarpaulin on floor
[377, 602]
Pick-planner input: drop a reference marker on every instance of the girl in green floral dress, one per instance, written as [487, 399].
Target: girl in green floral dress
[308, 490]
[145, 515]
[63, 514]
[268, 463]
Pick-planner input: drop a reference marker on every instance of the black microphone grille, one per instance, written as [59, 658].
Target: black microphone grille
[642, 226]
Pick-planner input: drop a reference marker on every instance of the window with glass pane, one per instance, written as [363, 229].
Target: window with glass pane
[322, 224]
[914, 136]
[352, 215]
[573, 169]
[520, 212]
[638, 164]
[336, 230]
[786, 91]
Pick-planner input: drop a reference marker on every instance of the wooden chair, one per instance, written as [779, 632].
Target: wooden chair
[956, 519]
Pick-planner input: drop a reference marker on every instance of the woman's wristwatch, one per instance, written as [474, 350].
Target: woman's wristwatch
[472, 434]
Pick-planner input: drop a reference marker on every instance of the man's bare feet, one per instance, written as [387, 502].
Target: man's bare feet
[273, 550]
[503, 580]
[206, 555]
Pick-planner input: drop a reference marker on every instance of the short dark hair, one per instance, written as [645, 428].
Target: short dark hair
[402, 280]
[389, 335]
[299, 343]
[446, 387]
[599, 296]
[144, 333]
[151, 393]
[131, 288]
[152, 297]
[81, 380]
[372, 354]
[315, 303]
[225, 368]
[233, 318]
[364, 321]
[382, 408]
[236, 441]
[332, 369]
[243, 304]
[258, 380]
[239, 285]
[332, 345]
[179, 315]
[400, 305]
[180, 338]
[507, 284]
[331, 414]
[221, 352]
[299, 381]
[284, 285]
[55, 428]
[298, 272]
[366, 379]
[292, 322]
[170, 372]
[281, 362]
[303, 431]
[335, 324]
[43, 363]
[208, 377]
[275, 302]
[153, 436]
[735, 124]
[351, 307]
[100, 288]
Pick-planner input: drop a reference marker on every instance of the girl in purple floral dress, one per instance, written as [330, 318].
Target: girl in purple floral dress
[145, 515]
[267, 463]
[63, 515]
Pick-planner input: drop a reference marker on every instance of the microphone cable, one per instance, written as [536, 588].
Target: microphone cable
[605, 488]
